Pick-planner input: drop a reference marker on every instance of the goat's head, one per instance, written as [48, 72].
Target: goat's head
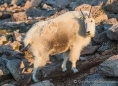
[89, 24]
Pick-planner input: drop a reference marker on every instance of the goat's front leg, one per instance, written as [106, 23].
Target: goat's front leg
[39, 62]
[37, 66]
[74, 56]
[66, 57]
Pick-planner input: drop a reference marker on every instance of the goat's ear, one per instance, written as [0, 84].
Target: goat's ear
[84, 17]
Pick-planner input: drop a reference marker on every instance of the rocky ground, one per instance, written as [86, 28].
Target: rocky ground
[98, 64]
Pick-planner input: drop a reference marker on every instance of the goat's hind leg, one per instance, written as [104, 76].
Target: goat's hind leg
[74, 56]
[66, 57]
[35, 69]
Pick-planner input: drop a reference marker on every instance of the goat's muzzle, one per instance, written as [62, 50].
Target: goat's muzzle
[88, 33]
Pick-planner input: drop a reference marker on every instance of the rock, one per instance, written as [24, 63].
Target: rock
[50, 2]
[112, 33]
[57, 14]
[92, 2]
[35, 3]
[14, 24]
[22, 65]
[110, 21]
[107, 51]
[105, 46]
[101, 18]
[1, 1]
[12, 54]
[1, 72]
[17, 36]
[96, 12]
[6, 47]
[4, 72]
[99, 80]
[111, 6]
[73, 5]
[27, 5]
[5, 5]
[19, 2]
[21, 16]
[14, 2]
[4, 15]
[10, 24]
[14, 7]
[15, 45]
[26, 80]
[57, 57]
[3, 21]
[83, 58]
[109, 67]
[47, 7]
[33, 12]
[2, 39]
[111, 15]
[93, 70]
[7, 1]
[107, 26]
[62, 3]
[14, 68]
[83, 7]
[99, 29]
[43, 83]
[100, 38]
[8, 85]
[89, 50]
[2, 8]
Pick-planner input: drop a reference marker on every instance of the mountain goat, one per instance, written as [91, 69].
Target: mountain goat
[67, 33]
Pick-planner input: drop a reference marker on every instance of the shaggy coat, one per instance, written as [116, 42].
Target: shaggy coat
[66, 33]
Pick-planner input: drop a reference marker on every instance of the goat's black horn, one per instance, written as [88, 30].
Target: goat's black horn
[82, 14]
[90, 12]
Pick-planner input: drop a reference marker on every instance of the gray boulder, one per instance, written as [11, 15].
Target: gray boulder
[14, 68]
[43, 83]
[33, 12]
[14, 1]
[7, 1]
[35, 3]
[111, 6]
[112, 33]
[2, 39]
[20, 16]
[14, 24]
[105, 46]
[17, 36]
[101, 37]
[50, 2]
[109, 67]
[99, 80]
[8, 85]
[4, 70]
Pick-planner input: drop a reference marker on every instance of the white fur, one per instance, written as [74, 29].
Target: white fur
[66, 33]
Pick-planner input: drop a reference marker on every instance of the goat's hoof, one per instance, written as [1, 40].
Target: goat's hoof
[49, 62]
[64, 69]
[74, 70]
[35, 79]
